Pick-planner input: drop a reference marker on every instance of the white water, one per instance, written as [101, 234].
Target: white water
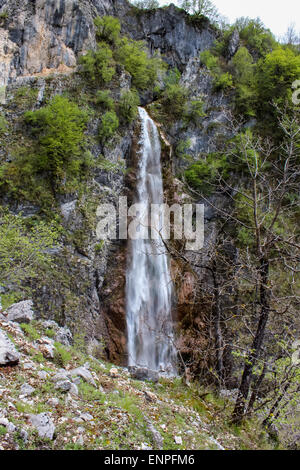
[148, 282]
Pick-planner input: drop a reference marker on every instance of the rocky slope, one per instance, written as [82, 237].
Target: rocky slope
[54, 396]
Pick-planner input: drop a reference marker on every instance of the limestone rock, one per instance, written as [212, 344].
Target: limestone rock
[21, 312]
[63, 385]
[142, 373]
[84, 374]
[64, 336]
[26, 390]
[44, 425]
[8, 353]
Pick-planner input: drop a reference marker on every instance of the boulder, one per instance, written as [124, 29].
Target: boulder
[44, 425]
[142, 373]
[8, 353]
[83, 373]
[21, 312]
[26, 390]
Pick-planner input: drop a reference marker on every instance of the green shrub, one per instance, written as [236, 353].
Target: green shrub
[3, 124]
[133, 55]
[98, 66]
[104, 99]
[108, 28]
[109, 125]
[128, 105]
[23, 250]
[223, 82]
[174, 100]
[205, 173]
[275, 76]
[61, 355]
[58, 129]
[181, 149]
[195, 111]
[30, 331]
[146, 4]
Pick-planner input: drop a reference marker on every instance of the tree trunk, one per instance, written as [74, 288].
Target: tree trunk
[239, 410]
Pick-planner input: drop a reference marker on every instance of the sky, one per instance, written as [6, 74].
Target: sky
[276, 15]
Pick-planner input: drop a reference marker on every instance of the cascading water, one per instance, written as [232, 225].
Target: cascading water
[148, 282]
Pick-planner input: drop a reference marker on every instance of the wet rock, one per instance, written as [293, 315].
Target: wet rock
[8, 353]
[21, 312]
[142, 373]
[44, 425]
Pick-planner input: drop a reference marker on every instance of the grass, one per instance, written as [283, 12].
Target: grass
[30, 331]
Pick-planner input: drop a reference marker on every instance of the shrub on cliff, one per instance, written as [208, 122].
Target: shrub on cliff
[109, 125]
[23, 250]
[98, 65]
[128, 105]
[58, 130]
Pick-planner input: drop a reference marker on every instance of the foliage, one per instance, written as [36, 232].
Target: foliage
[253, 35]
[243, 70]
[133, 56]
[58, 129]
[181, 149]
[3, 124]
[146, 4]
[275, 76]
[113, 48]
[128, 105]
[98, 66]
[222, 81]
[199, 8]
[109, 125]
[23, 250]
[108, 29]
[104, 99]
[195, 111]
[30, 331]
[61, 355]
[204, 174]
[174, 100]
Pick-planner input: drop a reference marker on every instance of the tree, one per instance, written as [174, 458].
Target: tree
[262, 187]
[128, 105]
[58, 129]
[201, 8]
[24, 250]
[146, 4]
[98, 65]
[109, 125]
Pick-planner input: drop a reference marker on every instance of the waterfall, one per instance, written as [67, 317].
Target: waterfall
[148, 280]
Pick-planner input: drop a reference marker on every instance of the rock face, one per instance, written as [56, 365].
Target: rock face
[8, 353]
[21, 312]
[171, 32]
